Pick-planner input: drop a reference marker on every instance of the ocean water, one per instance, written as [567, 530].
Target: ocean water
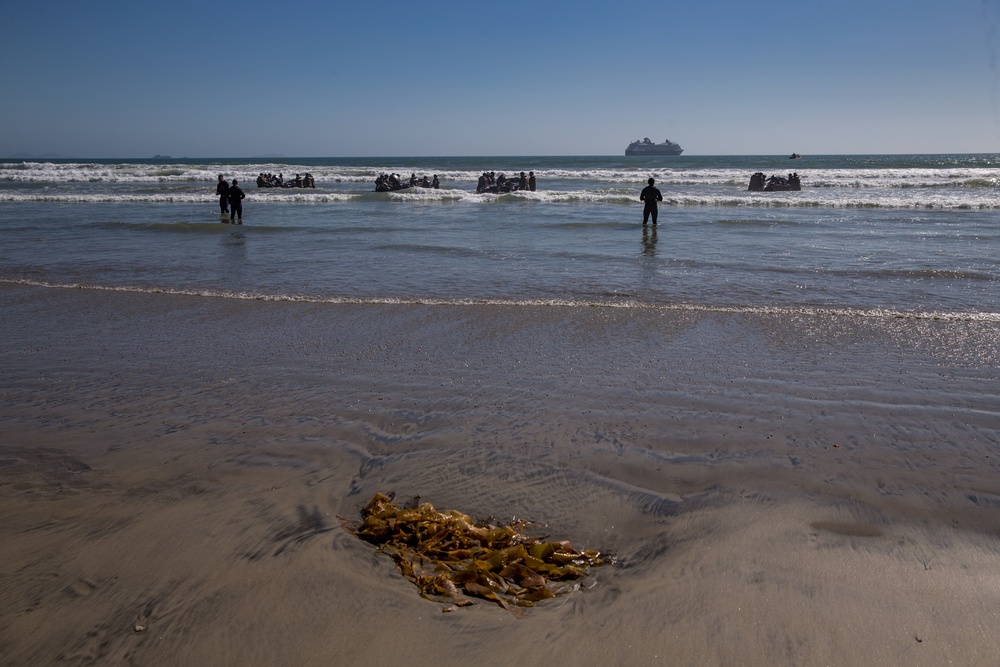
[913, 236]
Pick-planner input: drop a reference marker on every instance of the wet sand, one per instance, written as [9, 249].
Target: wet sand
[778, 490]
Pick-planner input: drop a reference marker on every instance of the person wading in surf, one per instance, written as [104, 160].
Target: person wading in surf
[236, 197]
[222, 189]
[650, 195]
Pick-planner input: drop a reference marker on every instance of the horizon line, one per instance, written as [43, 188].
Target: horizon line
[49, 156]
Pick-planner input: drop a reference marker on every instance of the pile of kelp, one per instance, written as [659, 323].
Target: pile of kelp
[450, 556]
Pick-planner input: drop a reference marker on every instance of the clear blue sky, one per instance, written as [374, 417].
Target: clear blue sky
[245, 79]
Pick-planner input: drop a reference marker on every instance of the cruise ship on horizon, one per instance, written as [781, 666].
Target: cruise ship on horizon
[647, 147]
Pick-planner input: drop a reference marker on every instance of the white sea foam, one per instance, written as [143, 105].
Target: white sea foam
[818, 198]
[878, 313]
[140, 173]
[284, 196]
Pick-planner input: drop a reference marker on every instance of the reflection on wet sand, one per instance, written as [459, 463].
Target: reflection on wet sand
[776, 489]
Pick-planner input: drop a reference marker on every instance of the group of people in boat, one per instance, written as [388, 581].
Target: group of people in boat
[774, 183]
[490, 181]
[272, 181]
[391, 182]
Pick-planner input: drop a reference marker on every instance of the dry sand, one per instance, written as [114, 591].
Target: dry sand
[778, 490]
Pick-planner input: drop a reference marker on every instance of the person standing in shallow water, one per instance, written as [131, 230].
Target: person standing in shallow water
[236, 198]
[222, 189]
[650, 194]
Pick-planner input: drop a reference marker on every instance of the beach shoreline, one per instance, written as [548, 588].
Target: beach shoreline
[778, 490]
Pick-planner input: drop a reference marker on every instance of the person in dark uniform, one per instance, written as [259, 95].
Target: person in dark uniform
[531, 181]
[650, 194]
[236, 197]
[222, 189]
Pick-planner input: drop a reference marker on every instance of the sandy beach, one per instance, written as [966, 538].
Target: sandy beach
[777, 490]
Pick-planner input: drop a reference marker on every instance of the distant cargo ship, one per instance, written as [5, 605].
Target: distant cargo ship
[647, 147]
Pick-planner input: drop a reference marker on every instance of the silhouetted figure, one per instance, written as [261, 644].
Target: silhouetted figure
[236, 197]
[531, 181]
[650, 195]
[222, 189]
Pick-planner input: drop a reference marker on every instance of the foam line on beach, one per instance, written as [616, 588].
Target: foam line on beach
[525, 303]
[284, 197]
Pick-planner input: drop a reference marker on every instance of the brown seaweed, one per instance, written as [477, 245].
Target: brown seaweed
[451, 557]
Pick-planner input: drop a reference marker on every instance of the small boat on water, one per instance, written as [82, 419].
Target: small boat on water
[383, 187]
[392, 183]
[774, 183]
[272, 181]
[794, 156]
[402, 186]
[493, 183]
